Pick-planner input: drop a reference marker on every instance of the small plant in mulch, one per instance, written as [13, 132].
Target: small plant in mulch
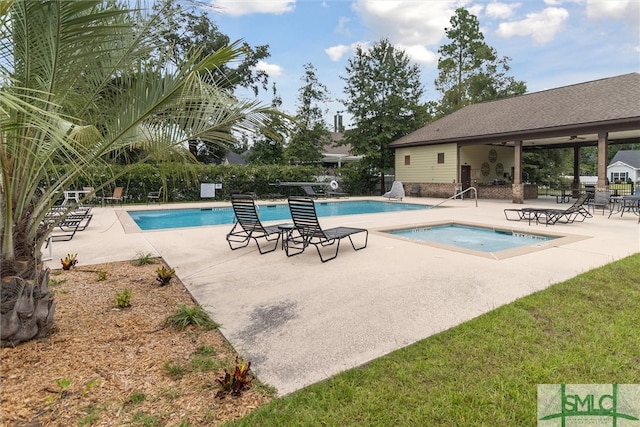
[69, 261]
[102, 275]
[238, 381]
[143, 259]
[165, 275]
[123, 299]
[194, 315]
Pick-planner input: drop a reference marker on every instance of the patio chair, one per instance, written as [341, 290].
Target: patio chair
[575, 212]
[396, 192]
[248, 225]
[601, 199]
[115, 197]
[309, 191]
[154, 196]
[307, 231]
[66, 217]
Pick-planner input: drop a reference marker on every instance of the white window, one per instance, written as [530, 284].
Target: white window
[619, 176]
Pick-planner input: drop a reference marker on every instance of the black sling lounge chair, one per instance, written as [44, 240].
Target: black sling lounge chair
[307, 230]
[249, 226]
[576, 212]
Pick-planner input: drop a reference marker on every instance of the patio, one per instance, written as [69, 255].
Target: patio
[300, 321]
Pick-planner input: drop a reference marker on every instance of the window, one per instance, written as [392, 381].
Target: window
[619, 176]
[440, 157]
[407, 160]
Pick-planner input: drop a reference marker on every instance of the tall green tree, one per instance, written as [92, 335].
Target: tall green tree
[61, 112]
[311, 134]
[470, 71]
[184, 27]
[384, 96]
[268, 145]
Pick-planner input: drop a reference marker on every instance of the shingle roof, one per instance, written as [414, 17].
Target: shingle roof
[629, 157]
[606, 101]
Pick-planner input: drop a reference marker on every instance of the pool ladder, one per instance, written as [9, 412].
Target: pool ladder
[455, 196]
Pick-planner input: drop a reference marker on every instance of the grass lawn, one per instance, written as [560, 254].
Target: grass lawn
[485, 372]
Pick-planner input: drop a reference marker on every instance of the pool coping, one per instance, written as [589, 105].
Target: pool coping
[560, 239]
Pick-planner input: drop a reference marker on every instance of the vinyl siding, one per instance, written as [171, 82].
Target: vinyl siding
[424, 165]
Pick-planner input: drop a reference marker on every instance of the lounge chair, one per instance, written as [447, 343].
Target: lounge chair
[115, 197]
[309, 191]
[66, 217]
[575, 212]
[248, 225]
[307, 231]
[396, 192]
[154, 196]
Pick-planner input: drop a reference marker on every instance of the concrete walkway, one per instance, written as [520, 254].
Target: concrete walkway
[300, 321]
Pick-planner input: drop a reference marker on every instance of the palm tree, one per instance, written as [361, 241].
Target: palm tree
[77, 88]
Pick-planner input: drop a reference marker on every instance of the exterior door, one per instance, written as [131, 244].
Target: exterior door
[465, 176]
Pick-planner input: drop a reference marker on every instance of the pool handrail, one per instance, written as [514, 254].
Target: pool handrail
[455, 196]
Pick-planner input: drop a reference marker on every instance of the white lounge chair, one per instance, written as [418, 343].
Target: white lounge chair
[396, 192]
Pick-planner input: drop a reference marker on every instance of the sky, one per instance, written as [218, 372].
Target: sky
[550, 43]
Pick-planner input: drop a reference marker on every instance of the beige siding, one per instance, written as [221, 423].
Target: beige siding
[424, 165]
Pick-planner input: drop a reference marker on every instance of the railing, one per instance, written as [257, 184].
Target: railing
[455, 196]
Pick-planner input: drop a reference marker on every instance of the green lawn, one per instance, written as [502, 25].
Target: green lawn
[485, 372]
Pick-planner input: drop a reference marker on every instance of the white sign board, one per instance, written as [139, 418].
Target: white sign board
[207, 191]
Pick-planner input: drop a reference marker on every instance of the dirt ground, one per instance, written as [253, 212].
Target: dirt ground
[105, 366]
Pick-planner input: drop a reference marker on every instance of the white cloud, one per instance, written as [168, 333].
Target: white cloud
[420, 54]
[542, 27]
[623, 10]
[247, 7]
[335, 53]
[272, 69]
[500, 10]
[417, 26]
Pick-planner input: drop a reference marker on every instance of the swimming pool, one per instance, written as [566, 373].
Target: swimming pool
[476, 239]
[179, 218]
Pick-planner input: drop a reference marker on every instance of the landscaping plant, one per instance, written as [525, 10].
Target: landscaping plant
[235, 383]
[165, 275]
[69, 261]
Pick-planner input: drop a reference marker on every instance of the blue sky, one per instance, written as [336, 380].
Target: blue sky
[551, 43]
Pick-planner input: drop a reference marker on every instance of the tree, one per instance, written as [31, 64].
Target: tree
[312, 134]
[469, 69]
[61, 112]
[384, 97]
[182, 27]
[268, 147]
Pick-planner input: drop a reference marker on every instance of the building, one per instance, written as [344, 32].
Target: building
[481, 145]
[625, 165]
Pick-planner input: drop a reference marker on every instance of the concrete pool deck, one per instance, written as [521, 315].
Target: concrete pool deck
[300, 321]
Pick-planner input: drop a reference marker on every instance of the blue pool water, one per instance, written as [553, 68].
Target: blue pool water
[474, 238]
[177, 218]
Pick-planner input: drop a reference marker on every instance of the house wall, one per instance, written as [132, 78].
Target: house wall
[619, 167]
[424, 166]
[440, 179]
[477, 155]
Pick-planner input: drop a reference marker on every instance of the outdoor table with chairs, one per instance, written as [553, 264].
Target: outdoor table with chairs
[74, 195]
[622, 204]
